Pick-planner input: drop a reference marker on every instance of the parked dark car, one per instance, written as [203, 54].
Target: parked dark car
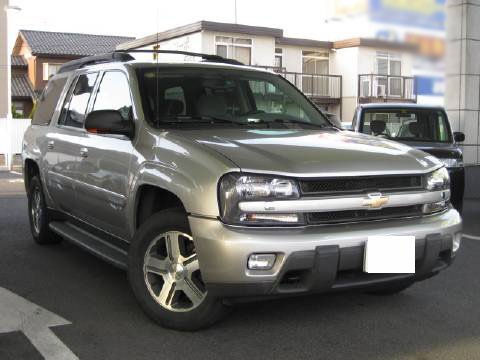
[424, 127]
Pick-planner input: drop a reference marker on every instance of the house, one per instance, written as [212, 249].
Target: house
[332, 74]
[37, 55]
[23, 94]
[374, 70]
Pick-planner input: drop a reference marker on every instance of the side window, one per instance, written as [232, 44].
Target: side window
[75, 106]
[114, 94]
[48, 101]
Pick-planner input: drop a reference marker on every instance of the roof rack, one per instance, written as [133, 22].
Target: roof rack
[96, 59]
[205, 57]
[123, 56]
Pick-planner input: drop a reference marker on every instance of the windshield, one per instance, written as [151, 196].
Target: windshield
[407, 124]
[182, 95]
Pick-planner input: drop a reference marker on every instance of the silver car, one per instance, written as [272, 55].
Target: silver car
[210, 181]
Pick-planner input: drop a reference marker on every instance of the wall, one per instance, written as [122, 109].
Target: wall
[346, 63]
[463, 73]
[35, 69]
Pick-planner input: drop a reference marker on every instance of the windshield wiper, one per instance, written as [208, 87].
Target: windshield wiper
[196, 120]
[294, 121]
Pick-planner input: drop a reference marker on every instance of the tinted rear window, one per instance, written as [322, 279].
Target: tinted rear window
[48, 101]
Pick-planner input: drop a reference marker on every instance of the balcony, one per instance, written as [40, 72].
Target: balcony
[386, 88]
[321, 89]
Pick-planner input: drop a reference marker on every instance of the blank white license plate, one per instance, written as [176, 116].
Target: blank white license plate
[390, 255]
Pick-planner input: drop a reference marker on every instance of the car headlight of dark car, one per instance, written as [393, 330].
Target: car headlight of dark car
[438, 180]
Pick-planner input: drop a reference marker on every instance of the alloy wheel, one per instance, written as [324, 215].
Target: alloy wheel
[36, 209]
[172, 273]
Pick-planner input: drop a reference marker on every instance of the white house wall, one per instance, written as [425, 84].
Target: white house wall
[192, 42]
[346, 63]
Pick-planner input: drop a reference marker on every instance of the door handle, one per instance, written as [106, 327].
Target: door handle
[84, 152]
[51, 145]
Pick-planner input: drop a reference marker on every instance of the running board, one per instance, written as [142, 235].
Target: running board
[91, 243]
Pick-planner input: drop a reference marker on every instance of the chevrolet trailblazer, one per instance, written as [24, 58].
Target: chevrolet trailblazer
[210, 181]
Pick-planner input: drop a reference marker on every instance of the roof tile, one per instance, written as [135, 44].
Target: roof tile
[73, 44]
[21, 87]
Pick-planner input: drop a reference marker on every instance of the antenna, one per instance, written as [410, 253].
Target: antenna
[235, 11]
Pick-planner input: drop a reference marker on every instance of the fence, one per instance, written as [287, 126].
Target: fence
[376, 86]
[11, 136]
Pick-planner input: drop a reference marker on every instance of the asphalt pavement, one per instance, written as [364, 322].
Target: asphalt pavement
[436, 319]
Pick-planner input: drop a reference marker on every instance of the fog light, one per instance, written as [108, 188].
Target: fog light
[434, 207]
[457, 239]
[261, 261]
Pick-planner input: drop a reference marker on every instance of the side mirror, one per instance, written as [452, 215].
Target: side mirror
[109, 122]
[459, 136]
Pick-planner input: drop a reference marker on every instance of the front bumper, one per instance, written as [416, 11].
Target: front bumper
[314, 258]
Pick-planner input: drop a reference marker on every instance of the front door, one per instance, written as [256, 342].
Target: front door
[63, 144]
[102, 191]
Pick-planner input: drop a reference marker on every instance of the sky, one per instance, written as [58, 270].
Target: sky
[299, 18]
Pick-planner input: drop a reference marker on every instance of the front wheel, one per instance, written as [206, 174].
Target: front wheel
[165, 274]
[39, 214]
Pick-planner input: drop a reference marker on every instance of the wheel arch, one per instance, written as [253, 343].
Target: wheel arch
[30, 169]
[150, 199]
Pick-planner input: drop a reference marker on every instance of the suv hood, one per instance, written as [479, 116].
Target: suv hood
[322, 153]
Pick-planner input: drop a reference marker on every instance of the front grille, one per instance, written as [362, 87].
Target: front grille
[360, 184]
[363, 215]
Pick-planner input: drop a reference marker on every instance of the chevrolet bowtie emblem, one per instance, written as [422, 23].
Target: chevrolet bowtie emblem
[375, 201]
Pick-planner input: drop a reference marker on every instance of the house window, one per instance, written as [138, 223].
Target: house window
[234, 48]
[315, 63]
[390, 66]
[278, 58]
[49, 70]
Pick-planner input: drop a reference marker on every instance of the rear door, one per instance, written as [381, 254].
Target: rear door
[63, 143]
[103, 171]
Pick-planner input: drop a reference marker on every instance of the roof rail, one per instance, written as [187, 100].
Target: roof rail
[96, 59]
[205, 57]
[123, 56]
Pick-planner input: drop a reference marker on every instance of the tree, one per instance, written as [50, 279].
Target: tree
[16, 115]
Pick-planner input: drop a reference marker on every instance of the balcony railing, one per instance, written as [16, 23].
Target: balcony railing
[322, 88]
[386, 88]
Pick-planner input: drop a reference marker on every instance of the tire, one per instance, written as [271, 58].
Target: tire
[390, 289]
[39, 215]
[166, 278]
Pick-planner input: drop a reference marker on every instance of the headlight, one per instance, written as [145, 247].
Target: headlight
[235, 188]
[452, 163]
[438, 180]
